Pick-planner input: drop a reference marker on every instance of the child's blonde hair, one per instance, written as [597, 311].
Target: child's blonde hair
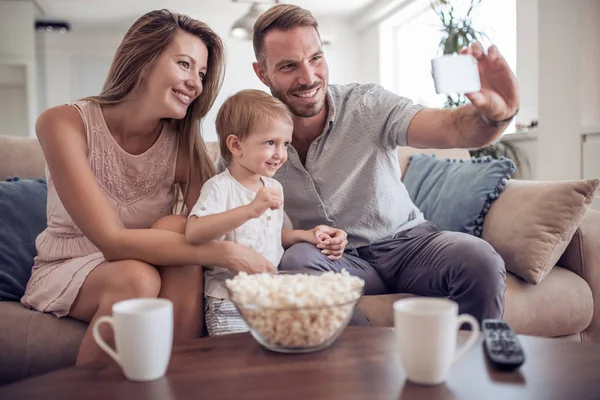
[242, 112]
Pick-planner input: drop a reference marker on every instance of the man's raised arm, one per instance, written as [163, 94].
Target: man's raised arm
[479, 123]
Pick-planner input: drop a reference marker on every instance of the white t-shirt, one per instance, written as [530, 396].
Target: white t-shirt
[223, 192]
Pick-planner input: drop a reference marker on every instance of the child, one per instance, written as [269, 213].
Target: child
[244, 204]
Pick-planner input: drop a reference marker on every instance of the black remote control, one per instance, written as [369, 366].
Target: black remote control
[502, 345]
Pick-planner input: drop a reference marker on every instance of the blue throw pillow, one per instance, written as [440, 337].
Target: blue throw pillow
[22, 218]
[456, 194]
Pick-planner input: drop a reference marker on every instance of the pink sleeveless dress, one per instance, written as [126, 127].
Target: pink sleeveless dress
[141, 189]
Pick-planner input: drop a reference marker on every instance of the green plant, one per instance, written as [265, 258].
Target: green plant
[502, 149]
[457, 33]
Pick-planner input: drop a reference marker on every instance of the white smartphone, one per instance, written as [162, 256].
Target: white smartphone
[455, 73]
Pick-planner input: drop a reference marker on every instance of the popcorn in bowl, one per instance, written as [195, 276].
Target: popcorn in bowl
[295, 312]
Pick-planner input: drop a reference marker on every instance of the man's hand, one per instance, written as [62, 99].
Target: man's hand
[331, 241]
[265, 198]
[469, 126]
[499, 95]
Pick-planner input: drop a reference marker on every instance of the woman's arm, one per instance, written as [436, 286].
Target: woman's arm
[61, 133]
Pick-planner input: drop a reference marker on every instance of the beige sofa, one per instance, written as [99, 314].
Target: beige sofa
[566, 304]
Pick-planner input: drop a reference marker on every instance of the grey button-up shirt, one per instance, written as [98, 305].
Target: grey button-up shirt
[351, 179]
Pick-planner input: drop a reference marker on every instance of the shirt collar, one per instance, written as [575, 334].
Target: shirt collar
[331, 108]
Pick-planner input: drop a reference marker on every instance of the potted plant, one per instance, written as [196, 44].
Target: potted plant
[458, 32]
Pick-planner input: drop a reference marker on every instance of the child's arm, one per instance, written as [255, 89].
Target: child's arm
[204, 228]
[330, 241]
[290, 237]
[210, 227]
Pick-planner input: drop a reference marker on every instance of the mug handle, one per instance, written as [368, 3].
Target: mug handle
[466, 318]
[101, 342]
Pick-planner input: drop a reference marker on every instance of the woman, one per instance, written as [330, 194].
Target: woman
[115, 164]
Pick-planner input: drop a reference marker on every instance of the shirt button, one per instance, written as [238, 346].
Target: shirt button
[269, 218]
[203, 209]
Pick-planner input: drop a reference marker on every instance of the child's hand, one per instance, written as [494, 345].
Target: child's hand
[265, 198]
[331, 241]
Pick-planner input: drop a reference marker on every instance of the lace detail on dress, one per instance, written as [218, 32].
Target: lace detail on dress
[128, 177]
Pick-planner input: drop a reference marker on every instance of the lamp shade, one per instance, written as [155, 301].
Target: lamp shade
[243, 28]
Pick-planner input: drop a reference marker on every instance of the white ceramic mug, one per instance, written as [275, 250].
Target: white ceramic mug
[426, 333]
[143, 330]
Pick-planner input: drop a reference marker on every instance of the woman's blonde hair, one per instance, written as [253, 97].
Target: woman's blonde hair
[243, 111]
[143, 43]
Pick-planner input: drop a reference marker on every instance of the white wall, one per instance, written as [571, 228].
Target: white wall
[591, 161]
[17, 68]
[528, 55]
[370, 48]
[76, 63]
[590, 66]
[558, 67]
[343, 54]
[16, 29]
[13, 110]
[559, 144]
[527, 60]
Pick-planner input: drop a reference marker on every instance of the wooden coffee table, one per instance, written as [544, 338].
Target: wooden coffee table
[362, 364]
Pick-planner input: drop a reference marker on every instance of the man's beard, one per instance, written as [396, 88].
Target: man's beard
[302, 111]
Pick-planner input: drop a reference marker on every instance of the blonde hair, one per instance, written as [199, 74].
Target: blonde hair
[283, 17]
[243, 111]
[143, 43]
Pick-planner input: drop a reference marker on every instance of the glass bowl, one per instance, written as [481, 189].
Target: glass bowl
[297, 329]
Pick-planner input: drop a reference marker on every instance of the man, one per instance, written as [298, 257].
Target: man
[343, 169]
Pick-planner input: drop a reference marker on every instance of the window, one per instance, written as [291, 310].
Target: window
[414, 33]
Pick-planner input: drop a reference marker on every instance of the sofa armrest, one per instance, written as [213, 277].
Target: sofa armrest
[21, 156]
[582, 256]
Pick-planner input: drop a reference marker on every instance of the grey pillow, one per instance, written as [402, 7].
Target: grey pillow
[456, 194]
[22, 218]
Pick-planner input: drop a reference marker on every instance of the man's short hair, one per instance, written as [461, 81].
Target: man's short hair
[243, 111]
[283, 17]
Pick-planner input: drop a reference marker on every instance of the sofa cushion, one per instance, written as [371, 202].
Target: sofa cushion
[22, 218]
[532, 223]
[561, 305]
[405, 153]
[36, 342]
[22, 156]
[456, 194]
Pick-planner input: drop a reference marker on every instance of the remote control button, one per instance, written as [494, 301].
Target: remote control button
[502, 346]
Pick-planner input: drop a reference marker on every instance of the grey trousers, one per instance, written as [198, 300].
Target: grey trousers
[421, 261]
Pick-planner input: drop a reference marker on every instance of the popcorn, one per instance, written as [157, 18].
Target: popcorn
[295, 310]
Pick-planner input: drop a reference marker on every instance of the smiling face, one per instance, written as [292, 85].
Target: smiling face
[265, 149]
[176, 78]
[295, 69]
